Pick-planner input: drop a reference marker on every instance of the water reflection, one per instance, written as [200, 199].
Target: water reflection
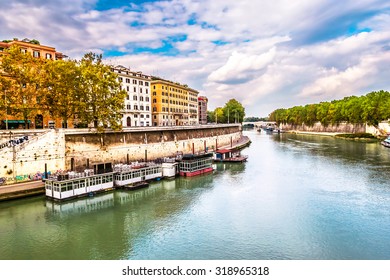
[297, 197]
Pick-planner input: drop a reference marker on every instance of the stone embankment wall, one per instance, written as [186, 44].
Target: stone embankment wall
[24, 153]
[318, 127]
[25, 158]
[144, 143]
[382, 129]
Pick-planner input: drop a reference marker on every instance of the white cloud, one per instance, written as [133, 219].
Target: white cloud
[267, 54]
[241, 67]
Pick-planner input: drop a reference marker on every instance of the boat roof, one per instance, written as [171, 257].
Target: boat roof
[223, 151]
[195, 156]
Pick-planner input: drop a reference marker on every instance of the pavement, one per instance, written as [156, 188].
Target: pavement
[24, 189]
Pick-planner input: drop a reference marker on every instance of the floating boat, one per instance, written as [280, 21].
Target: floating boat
[101, 178]
[170, 168]
[136, 186]
[196, 164]
[386, 142]
[127, 175]
[229, 155]
[68, 185]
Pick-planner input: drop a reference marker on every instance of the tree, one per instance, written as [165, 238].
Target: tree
[62, 84]
[233, 111]
[24, 91]
[210, 117]
[219, 116]
[100, 96]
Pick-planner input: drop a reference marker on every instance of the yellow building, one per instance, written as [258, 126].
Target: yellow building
[41, 120]
[173, 104]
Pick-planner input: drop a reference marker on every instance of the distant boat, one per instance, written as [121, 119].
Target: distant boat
[386, 142]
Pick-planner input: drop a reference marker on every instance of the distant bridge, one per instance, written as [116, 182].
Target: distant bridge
[259, 124]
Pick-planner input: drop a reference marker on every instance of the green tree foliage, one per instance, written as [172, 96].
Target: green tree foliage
[371, 109]
[219, 115]
[100, 96]
[234, 111]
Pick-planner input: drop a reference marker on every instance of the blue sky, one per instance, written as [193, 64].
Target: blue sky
[267, 54]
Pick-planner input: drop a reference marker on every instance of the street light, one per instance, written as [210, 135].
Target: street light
[6, 110]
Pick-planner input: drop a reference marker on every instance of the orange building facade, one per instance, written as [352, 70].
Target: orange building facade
[41, 119]
[173, 104]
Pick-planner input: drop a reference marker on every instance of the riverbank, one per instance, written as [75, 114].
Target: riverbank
[313, 133]
[21, 190]
[31, 188]
[347, 136]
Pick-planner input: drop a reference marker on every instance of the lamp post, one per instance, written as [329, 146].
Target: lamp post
[6, 110]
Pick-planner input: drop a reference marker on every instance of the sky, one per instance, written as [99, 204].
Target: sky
[267, 54]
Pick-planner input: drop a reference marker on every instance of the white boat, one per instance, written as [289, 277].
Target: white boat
[386, 142]
[73, 184]
[130, 175]
[170, 168]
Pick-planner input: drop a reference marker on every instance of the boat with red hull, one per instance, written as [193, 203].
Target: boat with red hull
[196, 164]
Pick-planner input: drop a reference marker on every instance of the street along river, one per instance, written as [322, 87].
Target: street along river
[297, 197]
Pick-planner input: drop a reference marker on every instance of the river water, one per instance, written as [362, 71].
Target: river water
[298, 197]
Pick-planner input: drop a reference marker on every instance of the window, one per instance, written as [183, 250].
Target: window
[147, 99]
[128, 107]
[135, 89]
[141, 83]
[147, 108]
[141, 98]
[120, 79]
[154, 93]
[36, 54]
[147, 91]
[128, 81]
[147, 84]
[140, 90]
[135, 108]
[135, 82]
[23, 50]
[141, 107]
[154, 100]
[142, 116]
[147, 116]
[134, 97]
[48, 56]
[154, 87]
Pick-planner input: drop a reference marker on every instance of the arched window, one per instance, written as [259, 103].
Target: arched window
[128, 121]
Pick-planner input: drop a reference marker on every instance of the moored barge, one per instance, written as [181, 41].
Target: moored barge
[196, 164]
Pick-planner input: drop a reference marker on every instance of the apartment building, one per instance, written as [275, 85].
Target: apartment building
[41, 119]
[137, 105]
[202, 109]
[173, 104]
[33, 47]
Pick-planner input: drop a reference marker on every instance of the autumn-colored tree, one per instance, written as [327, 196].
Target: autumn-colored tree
[23, 91]
[100, 96]
[62, 84]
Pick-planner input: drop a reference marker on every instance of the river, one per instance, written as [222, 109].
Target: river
[298, 197]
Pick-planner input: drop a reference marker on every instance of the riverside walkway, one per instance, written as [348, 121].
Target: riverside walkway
[19, 190]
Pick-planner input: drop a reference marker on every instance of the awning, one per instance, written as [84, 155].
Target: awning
[15, 121]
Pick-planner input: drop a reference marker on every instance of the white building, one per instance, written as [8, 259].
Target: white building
[137, 104]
